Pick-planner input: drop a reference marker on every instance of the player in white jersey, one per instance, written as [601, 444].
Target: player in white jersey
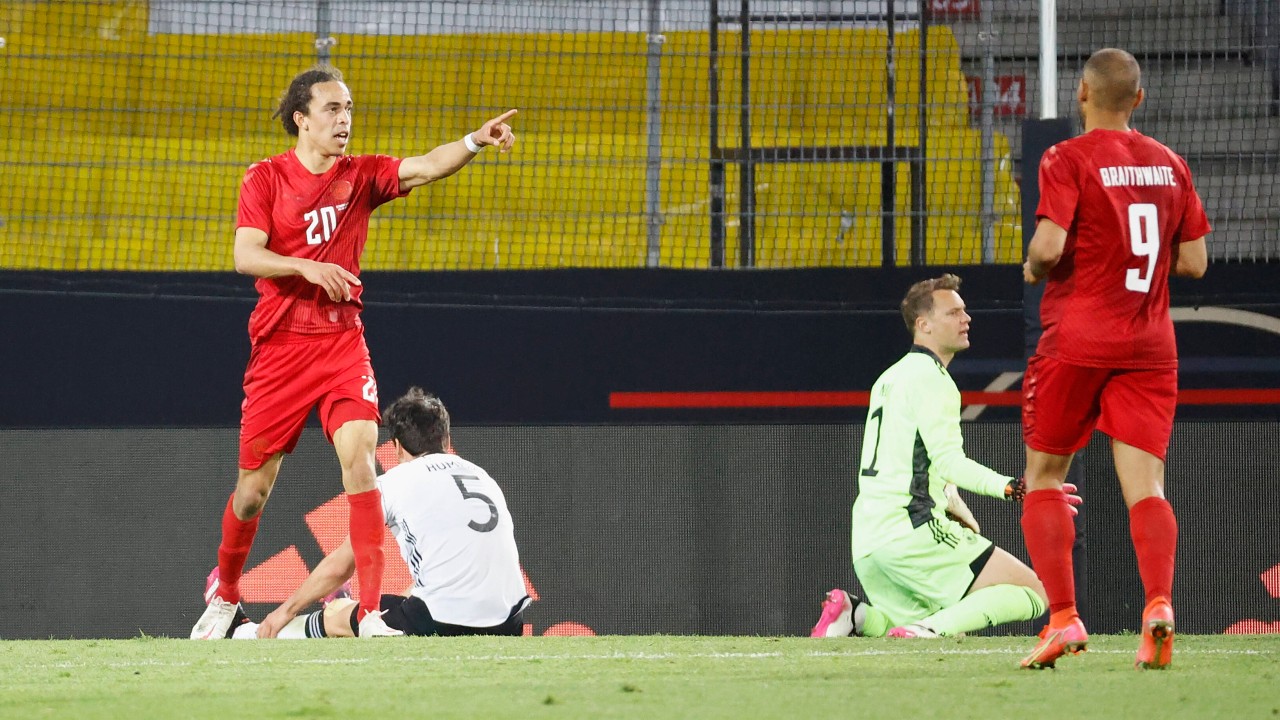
[455, 533]
[925, 573]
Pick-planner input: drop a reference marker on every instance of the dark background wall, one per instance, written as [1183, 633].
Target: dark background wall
[706, 529]
[119, 397]
[502, 347]
[169, 349]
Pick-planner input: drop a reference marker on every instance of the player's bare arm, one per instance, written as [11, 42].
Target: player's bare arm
[1045, 250]
[335, 569]
[449, 158]
[1190, 259]
[253, 258]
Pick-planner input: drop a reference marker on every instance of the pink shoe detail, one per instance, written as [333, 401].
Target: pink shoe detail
[837, 610]
[911, 631]
[340, 593]
[1068, 637]
[211, 585]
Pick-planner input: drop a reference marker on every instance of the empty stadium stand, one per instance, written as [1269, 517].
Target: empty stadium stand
[126, 147]
[1209, 78]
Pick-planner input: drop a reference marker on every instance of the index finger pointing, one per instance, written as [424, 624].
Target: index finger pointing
[503, 117]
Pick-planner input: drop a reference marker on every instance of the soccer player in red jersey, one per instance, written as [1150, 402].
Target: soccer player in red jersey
[302, 225]
[1118, 214]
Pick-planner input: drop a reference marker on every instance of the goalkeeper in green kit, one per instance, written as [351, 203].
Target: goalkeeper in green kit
[916, 549]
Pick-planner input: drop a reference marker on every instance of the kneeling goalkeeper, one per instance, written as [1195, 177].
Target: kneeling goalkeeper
[926, 574]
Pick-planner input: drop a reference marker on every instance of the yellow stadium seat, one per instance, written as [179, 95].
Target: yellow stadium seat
[139, 169]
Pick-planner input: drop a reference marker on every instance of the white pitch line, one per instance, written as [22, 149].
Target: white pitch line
[933, 651]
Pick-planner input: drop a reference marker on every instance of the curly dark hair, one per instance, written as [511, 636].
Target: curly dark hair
[298, 96]
[919, 299]
[419, 421]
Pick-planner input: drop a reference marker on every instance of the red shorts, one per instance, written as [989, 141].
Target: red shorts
[1062, 403]
[285, 380]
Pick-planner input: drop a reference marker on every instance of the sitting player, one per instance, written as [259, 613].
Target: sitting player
[925, 573]
[455, 533]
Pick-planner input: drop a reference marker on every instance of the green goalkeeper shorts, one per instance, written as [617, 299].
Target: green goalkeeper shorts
[924, 572]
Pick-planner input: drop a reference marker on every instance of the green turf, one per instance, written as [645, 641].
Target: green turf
[659, 677]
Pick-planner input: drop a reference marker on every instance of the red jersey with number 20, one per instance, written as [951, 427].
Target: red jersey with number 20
[1124, 200]
[321, 217]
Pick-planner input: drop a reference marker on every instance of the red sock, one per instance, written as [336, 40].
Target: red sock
[367, 522]
[1155, 541]
[1050, 533]
[237, 539]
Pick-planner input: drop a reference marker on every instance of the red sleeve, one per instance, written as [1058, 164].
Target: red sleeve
[257, 195]
[1195, 224]
[386, 179]
[1059, 189]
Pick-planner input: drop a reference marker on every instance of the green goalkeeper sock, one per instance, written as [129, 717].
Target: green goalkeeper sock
[985, 608]
[874, 623]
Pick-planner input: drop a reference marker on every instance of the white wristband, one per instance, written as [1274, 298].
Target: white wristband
[471, 144]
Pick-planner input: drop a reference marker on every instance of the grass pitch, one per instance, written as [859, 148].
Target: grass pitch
[650, 677]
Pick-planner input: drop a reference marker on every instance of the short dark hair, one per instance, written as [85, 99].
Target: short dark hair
[419, 421]
[919, 299]
[298, 97]
[1116, 79]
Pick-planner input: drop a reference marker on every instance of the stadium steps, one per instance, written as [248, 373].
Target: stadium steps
[1168, 33]
[1175, 89]
[1191, 138]
[1243, 135]
[1241, 196]
[1104, 8]
[1205, 100]
[1244, 214]
[1247, 240]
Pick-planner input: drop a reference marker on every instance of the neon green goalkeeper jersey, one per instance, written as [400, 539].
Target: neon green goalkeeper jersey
[911, 448]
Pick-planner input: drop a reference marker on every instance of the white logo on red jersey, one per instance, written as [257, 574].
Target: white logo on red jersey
[1140, 175]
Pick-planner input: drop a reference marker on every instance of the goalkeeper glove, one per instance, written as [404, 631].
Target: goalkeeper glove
[1016, 491]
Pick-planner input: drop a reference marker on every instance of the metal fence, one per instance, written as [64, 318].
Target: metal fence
[653, 133]
[1211, 69]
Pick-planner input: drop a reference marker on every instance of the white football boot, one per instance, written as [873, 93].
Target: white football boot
[374, 626]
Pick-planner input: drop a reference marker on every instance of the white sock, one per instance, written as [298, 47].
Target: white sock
[310, 625]
[295, 630]
[246, 631]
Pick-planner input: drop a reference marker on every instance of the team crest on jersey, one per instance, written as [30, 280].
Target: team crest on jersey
[340, 191]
